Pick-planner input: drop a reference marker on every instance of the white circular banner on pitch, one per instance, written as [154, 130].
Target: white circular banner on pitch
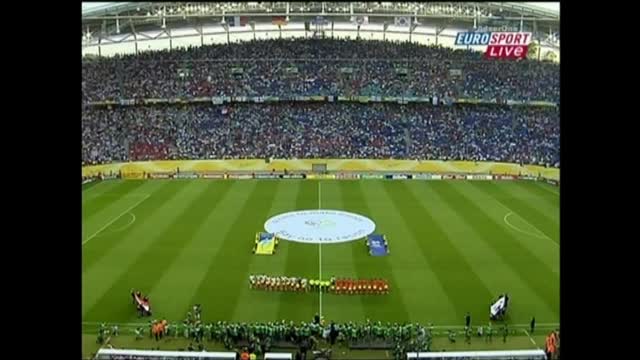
[320, 226]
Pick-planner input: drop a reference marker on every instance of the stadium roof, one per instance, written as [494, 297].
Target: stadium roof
[103, 20]
[550, 6]
[527, 9]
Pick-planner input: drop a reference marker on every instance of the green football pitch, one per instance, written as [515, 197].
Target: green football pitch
[454, 246]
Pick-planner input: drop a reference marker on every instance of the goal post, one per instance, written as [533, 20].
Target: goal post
[319, 168]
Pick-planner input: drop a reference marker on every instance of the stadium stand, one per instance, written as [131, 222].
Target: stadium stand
[476, 133]
[207, 71]
[286, 130]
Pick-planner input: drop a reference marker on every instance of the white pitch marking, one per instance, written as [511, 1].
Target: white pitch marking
[320, 253]
[525, 220]
[530, 338]
[133, 219]
[539, 236]
[114, 220]
[86, 199]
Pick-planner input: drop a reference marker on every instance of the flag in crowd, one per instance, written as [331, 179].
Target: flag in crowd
[279, 20]
[360, 19]
[402, 21]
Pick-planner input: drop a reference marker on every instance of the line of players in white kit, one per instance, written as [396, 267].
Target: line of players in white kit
[279, 283]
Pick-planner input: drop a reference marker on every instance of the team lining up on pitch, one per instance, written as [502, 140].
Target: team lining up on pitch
[334, 286]
[265, 243]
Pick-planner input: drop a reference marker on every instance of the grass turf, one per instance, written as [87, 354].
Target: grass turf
[454, 246]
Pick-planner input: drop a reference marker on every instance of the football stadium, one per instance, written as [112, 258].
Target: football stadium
[320, 180]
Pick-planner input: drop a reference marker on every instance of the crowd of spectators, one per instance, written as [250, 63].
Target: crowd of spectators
[529, 135]
[306, 67]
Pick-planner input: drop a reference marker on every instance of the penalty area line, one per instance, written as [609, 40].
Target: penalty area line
[531, 338]
[114, 220]
[539, 236]
[511, 212]
[133, 219]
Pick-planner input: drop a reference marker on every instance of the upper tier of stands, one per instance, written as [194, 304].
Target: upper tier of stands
[320, 69]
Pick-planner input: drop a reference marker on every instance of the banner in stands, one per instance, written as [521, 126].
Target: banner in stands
[360, 19]
[240, 176]
[371, 176]
[187, 175]
[454, 177]
[110, 177]
[321, 176]
[479, 177]
[212, 176]
[279, 20]
[426, 177]
[402, 21]
[505, 177]
[320, 21]
[542, 103]
[293, 176]
[127, 102]
[348, 176]
[133, 175]
[160, 175]
[399, 177]
[87, 181]
[266, 176]
[552, 182]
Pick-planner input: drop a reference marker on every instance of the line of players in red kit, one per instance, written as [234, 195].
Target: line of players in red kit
[363, 286]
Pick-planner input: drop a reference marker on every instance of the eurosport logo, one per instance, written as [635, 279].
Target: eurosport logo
[500, 45]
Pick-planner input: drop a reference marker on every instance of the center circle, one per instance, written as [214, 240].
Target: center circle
[320, 226]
